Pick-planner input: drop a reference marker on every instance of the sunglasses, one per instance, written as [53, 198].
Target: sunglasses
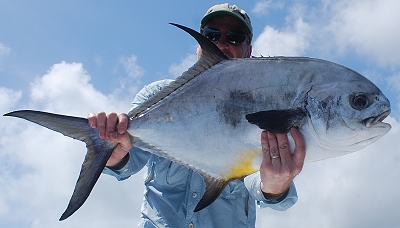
[231, 37]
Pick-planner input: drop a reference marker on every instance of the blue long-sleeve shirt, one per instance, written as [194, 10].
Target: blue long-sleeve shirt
[172, 191]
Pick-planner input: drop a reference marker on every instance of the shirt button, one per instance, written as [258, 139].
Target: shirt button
[194, 195]
[259, 193]
[191, 225]
[125, 170]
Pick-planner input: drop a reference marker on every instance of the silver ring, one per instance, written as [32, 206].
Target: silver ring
[275, 156]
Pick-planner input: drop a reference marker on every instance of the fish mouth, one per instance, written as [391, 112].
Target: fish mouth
[376, 120]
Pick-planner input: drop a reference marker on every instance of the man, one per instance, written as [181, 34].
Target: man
[173, 191]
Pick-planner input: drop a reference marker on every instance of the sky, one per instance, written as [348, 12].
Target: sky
[75, 57]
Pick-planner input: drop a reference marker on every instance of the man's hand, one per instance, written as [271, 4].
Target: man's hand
[113, 127]
[279, 167]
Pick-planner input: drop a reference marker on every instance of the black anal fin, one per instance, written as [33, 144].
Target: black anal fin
[214, 187]
[277, 121]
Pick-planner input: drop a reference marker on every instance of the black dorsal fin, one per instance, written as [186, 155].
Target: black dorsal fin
[211, 55]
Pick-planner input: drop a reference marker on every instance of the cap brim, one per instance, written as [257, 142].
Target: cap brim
[213, 14]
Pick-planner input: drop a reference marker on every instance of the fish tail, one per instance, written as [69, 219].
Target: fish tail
[98, 150]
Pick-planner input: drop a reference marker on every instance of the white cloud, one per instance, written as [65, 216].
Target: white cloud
[264, 6]
[129, 83]
[39, 168]
[65, 88]
[177, 69]
[131, 67]
[394, 83]
[8, 98]
[370, 27]
[261, 7]
[291, 41]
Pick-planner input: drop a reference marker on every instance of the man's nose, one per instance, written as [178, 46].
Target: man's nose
[222, 44]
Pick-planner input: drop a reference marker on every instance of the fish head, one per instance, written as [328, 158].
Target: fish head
[347, 115]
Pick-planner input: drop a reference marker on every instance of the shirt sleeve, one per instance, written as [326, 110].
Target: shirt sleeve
[149, 91]
[252, 183]
[137, 158]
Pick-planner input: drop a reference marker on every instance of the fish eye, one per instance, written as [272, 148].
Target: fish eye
[360, 101]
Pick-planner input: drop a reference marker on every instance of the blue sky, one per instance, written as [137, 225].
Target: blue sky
[77, 57]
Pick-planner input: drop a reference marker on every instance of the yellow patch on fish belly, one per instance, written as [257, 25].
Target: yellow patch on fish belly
[247, 162]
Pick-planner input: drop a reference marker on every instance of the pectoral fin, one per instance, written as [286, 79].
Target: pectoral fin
[214, 187]
[277, 121]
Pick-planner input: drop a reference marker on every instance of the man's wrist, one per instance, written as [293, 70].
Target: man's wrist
[120, 164]
[275, 197]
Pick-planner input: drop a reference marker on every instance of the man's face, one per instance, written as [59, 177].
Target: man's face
[225, 23]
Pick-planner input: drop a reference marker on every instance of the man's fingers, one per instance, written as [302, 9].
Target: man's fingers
[300, 149]
[111, 123]
[92, 120]
[108, 124]
[265, 147]
[123, 123]
[264, 142]
[101, 124]
[274, 149]
[283, 144]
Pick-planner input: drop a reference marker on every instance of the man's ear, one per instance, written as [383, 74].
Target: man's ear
[198, 52]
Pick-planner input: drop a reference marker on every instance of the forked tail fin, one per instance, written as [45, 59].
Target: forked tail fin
[98, 150]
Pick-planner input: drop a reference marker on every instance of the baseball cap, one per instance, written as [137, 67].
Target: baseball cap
[232, 10]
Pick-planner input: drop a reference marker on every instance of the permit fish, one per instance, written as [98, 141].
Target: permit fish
[210, 118]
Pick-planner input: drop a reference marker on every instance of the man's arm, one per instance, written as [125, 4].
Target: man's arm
[287, 200]
[273, 185]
